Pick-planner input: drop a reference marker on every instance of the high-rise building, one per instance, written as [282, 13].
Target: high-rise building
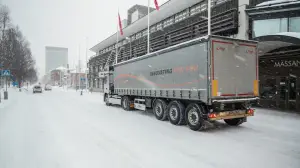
[55, 57]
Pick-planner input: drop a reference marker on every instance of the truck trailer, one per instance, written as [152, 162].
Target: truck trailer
[205, 79]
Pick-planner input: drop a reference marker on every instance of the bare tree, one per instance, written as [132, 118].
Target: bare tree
[4, 22]
[4, 18]
[15, 50]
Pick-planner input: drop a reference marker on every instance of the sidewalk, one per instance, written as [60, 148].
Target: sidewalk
[11, 97]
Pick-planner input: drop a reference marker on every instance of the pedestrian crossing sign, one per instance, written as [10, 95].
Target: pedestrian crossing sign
[5, 73]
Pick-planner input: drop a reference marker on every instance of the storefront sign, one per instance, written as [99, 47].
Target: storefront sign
[287, 63]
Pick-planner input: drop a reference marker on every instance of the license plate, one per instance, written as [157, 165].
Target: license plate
[232, 113]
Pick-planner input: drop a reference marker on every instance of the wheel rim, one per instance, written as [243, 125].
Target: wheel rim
[125, 103]
[158, 109]
[173, 113]
[193, 116]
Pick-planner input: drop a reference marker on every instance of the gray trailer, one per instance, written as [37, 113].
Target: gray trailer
[208, 78]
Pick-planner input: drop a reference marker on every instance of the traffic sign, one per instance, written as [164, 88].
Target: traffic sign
[5, 73]
[15, 83]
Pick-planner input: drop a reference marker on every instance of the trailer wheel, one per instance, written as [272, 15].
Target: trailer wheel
[160, 109]
[126, 103]
[234, 121]
[194, 117]
[106, 100]
[176, 111]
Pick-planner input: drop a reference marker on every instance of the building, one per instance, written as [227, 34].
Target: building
[276, 25]
[58, 76]
[178, 21]
[55, 57]
[77, 80]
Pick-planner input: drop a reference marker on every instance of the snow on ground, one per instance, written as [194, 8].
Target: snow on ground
[62, 129]
[11, 97]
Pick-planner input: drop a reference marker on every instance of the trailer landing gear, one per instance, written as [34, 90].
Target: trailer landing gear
[194, 116]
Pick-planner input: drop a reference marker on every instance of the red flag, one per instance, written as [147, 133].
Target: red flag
[156, 5]
[120, 24]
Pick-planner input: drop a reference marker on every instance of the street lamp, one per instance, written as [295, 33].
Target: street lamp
[86, 60]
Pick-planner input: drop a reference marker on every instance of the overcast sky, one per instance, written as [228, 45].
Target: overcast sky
[67, 23]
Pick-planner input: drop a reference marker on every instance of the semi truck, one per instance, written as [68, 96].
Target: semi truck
[205, 79]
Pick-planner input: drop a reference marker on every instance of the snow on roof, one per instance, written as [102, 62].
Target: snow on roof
[268, 44]
[275, 2]
[291, 34]
[61, 68]
[73, 71]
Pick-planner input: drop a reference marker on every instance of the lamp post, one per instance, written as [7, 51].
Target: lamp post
[86, 60]
[0, 80]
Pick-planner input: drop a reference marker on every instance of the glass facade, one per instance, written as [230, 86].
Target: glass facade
[273, 26]
[294, 24]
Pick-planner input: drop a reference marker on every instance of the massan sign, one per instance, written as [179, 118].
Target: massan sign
[287, 63]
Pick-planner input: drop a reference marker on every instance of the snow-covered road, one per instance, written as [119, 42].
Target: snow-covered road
[62, 129]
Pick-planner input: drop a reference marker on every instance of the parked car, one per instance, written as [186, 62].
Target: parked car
[37, 89]
[48, 87]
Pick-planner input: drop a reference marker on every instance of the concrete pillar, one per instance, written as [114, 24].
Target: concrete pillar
[243, 21]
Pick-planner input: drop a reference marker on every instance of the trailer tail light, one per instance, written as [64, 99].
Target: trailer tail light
[250, 111]
[212, 115]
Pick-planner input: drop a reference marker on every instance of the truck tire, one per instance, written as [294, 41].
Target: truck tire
[160, 109]
[105, 99]
[176, 113]
[126, 103]
[234, 121]
[194, 116]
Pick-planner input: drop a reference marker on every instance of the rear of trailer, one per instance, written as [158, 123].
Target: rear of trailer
[208, 78]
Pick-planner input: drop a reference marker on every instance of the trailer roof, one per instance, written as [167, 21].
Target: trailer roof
[199, 39]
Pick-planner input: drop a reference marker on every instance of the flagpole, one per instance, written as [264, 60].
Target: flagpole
[86, 61]
[209, 17]
[116, 59]
[148, 44]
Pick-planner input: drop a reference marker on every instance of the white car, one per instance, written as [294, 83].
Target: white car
[37, 89]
